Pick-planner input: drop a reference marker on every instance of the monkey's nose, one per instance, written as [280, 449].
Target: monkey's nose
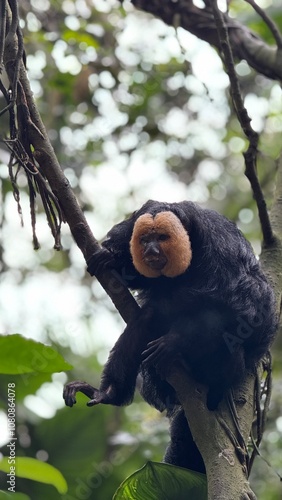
[152, 250]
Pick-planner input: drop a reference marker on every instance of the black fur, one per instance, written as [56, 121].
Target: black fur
[218, 318]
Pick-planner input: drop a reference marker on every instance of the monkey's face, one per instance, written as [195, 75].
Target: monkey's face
[153, 252]
[160, 246]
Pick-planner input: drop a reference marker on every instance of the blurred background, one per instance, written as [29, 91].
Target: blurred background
[135, 110]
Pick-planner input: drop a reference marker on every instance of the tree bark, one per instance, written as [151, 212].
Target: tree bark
[216, 435]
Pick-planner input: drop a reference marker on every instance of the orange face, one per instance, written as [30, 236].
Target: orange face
[160, 246]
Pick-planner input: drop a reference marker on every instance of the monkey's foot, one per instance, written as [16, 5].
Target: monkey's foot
[93, 394]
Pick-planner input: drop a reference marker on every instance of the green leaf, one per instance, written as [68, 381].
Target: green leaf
[4, 495]
[20, 355]
[25, 383]
[30, 468]
[157, 480]
[78, 37]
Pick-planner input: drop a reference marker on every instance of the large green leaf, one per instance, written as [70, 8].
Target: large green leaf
[20, 355]
[30, 468]
[157, 480]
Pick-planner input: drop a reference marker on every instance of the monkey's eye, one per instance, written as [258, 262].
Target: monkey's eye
[163, 237]
[143, 241]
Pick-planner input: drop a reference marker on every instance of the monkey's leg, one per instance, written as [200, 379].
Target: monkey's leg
[198, 340]
[120, 372]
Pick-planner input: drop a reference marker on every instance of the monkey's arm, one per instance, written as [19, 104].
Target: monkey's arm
[120, 372]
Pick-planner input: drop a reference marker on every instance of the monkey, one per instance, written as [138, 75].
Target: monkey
[204, 302]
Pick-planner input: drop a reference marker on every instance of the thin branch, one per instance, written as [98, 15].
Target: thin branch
[35, 180]
[2, 31]
[14, 17]
[16, 192]
[32, 196]
[268, 21]
[263, 390]
[245, 121]
[12, 35]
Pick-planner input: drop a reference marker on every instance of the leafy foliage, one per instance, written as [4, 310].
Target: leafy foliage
[156, 480]
[19, 356]
[29, 468]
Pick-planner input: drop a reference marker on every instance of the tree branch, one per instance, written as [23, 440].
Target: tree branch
[216, 435]
[44, 156]
[271, 256]
[245, 44]
[245, 121]
[271, 25]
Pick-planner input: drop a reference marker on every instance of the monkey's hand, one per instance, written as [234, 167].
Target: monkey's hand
[161, 353]
[100, 260]
[95, 395]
